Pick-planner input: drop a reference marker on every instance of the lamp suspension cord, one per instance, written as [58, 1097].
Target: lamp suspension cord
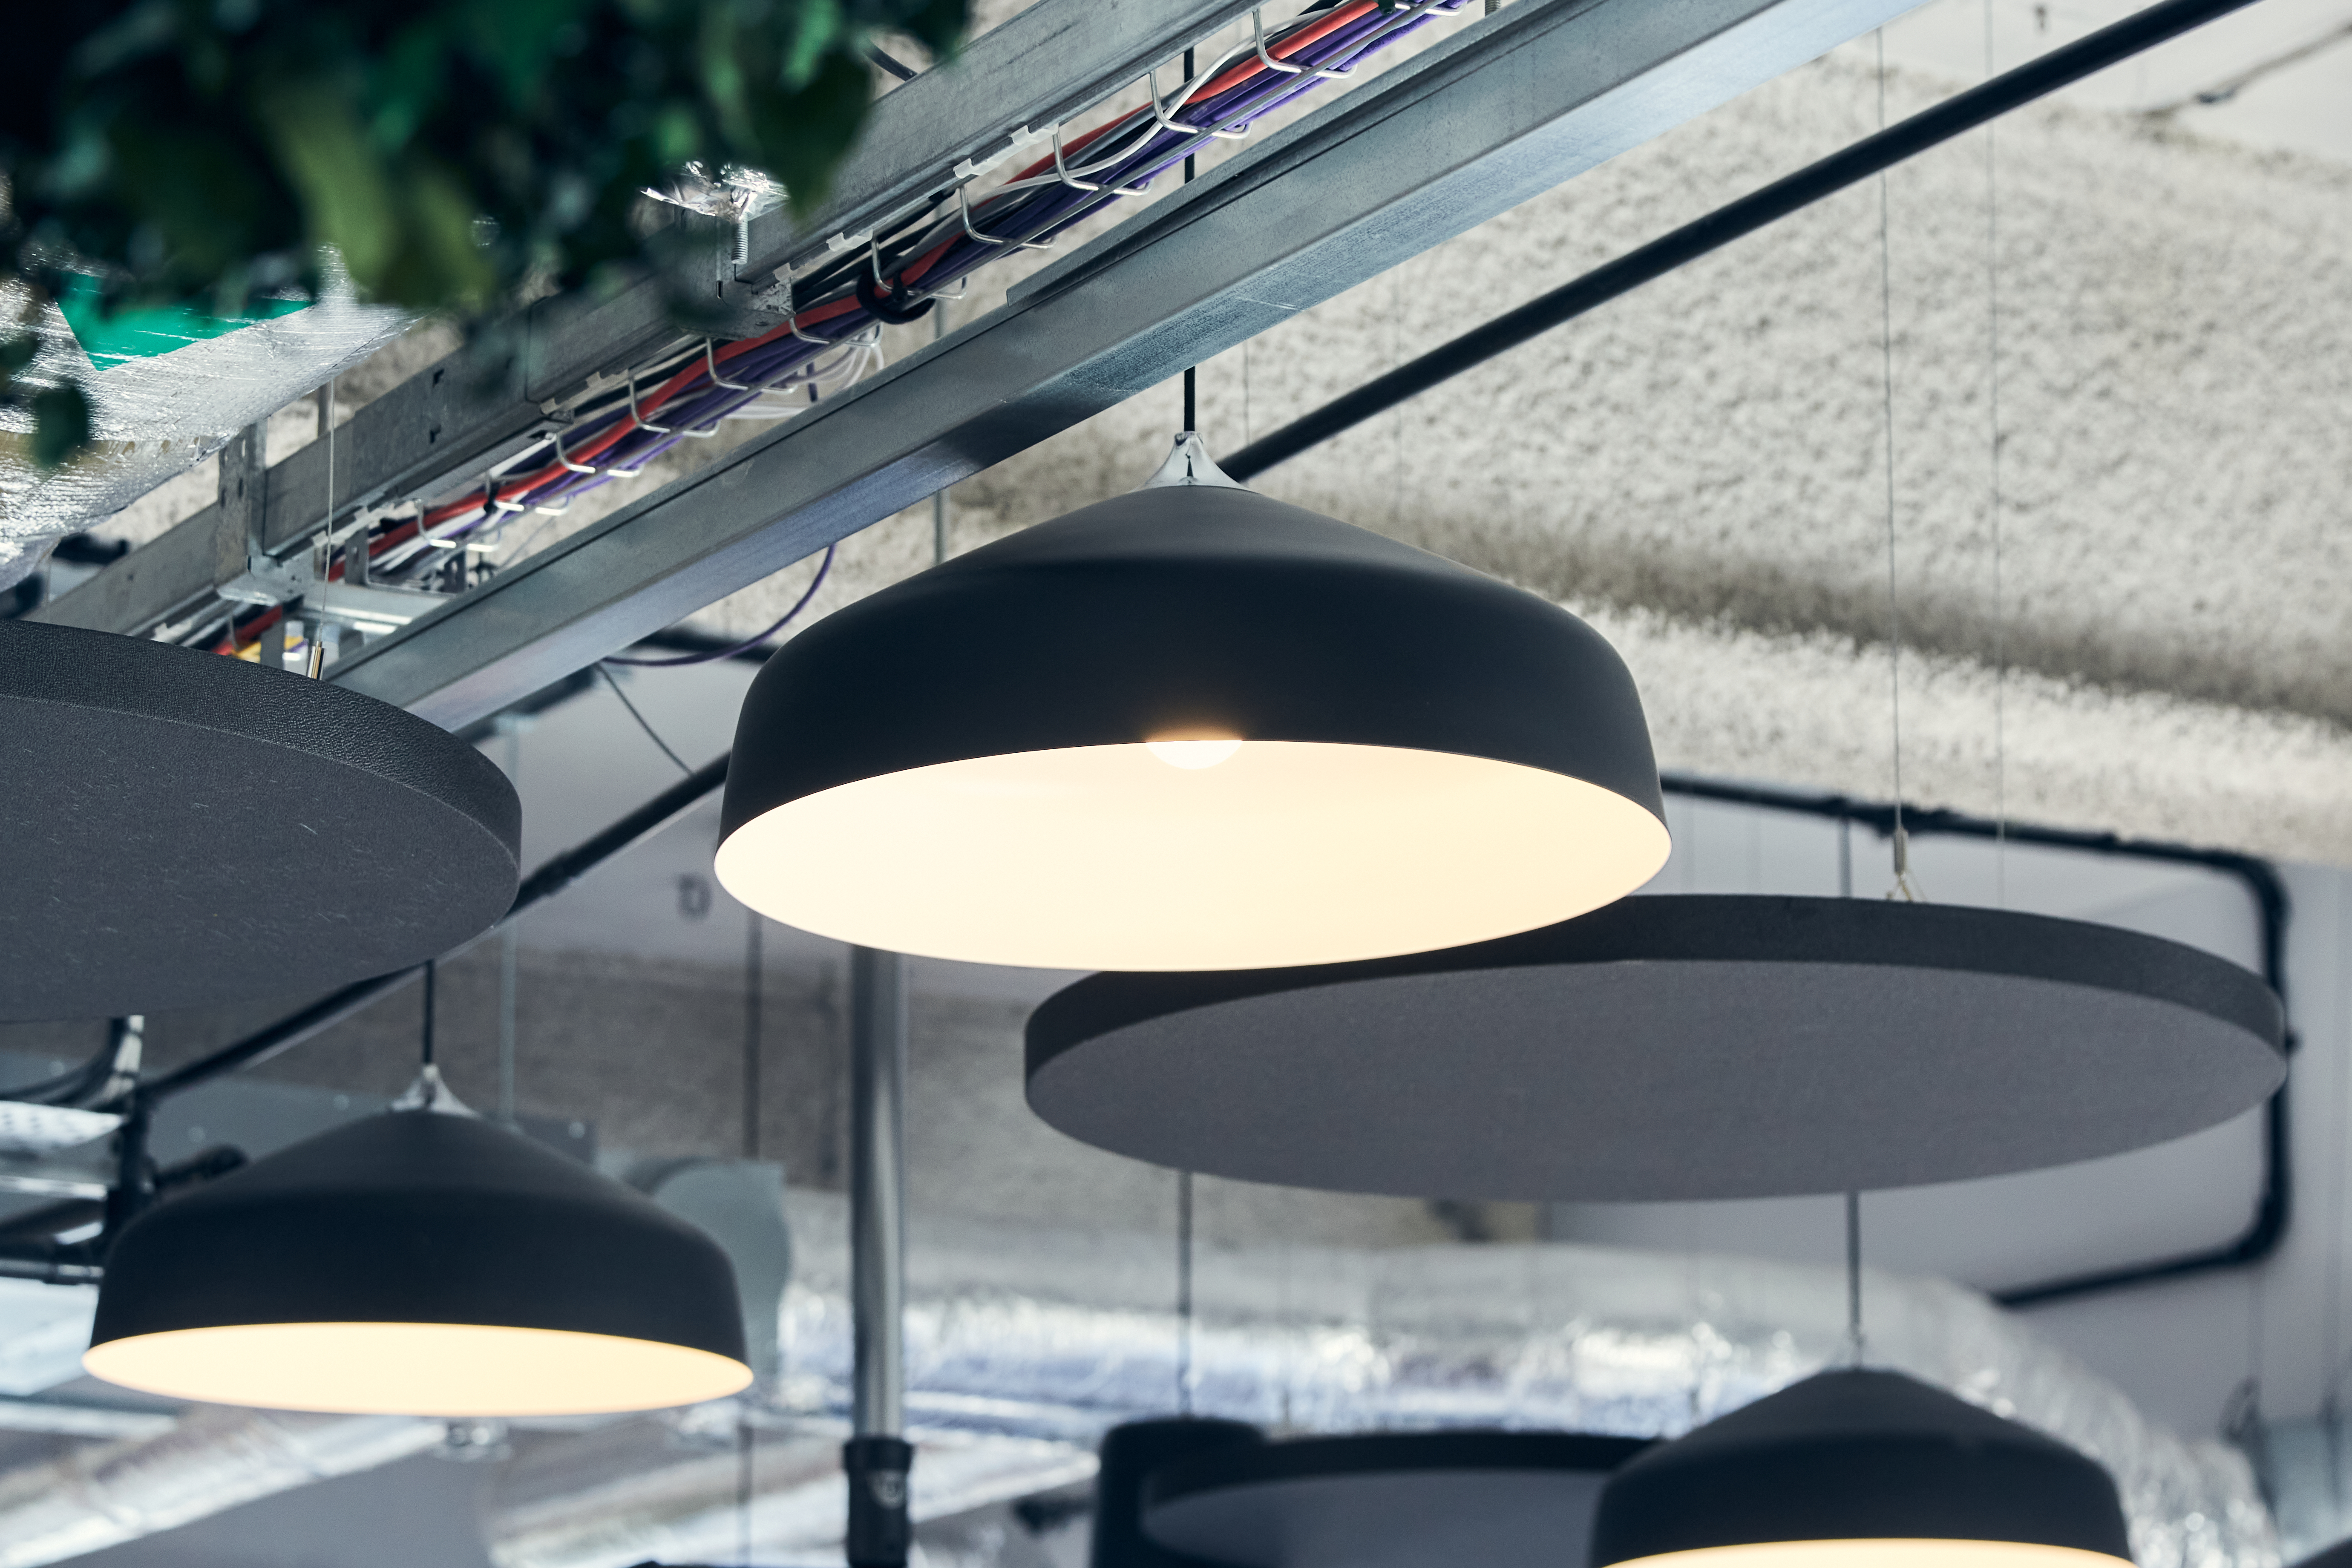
[1853, 1278]
[1191, 412]
[1184, 1292]
[1992, 498]
[432, 972]
[1903, 888]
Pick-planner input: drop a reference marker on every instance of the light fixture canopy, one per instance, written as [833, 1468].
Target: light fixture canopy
[1857, 1468]
[1677, 1046]
[185, 830]
[426, 1263]
[1190, 728]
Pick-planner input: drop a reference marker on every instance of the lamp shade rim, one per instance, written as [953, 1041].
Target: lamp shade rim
[424, 1219]
[1857, 1455]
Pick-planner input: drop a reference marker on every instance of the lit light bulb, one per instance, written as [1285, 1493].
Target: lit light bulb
[1194, 749]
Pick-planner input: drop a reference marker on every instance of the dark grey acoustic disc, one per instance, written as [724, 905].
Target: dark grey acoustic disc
[182, 829]
[1391, 1499]
[1670, 1048]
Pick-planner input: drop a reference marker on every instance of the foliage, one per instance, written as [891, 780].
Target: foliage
[449, 152]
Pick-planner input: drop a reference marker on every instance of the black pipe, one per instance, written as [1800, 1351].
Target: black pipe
[1961, 112]
[2267, 1227]
[553, 876]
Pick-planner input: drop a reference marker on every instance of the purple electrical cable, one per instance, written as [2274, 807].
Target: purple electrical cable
[799, 604]
[1035, 215]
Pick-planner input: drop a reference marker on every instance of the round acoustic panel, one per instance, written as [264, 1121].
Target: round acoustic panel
[183, 829]
[1670, 1048]
[1404, 1499]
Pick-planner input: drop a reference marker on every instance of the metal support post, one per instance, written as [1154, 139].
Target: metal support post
[876, 1457]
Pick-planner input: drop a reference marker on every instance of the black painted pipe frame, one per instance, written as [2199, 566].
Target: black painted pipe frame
[1961, 112]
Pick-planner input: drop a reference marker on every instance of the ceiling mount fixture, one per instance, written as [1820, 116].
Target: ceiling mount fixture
[1670, 1048]
[421, 1262]
[1860, 1468]
[185, 830]
[1190, 728]
[1387, 1499]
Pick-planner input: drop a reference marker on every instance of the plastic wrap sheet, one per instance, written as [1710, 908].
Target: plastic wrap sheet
[158, 416]
[1059, 1335]
[215, 1460]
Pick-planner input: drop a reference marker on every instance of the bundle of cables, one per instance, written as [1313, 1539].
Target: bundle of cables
[834, 312]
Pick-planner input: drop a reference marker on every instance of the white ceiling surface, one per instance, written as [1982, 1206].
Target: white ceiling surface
[1699, 467]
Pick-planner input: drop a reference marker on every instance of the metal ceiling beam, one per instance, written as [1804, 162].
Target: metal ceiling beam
[475, 409]
[1506, 107]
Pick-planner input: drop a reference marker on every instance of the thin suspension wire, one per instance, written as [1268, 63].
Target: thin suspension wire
[754, 966]
[510, 952]
[424, 1042]
[2331, 1324]
[1992, 500]
[1184, 1292]
[1893, 609]
[605, 670]
[1191, 411]
[1853, 1278]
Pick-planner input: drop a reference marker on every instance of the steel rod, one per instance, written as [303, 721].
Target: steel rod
[876, 1457]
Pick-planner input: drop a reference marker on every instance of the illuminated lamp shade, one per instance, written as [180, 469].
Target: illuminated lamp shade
[1860, 1469]
[419, 1263]
[1190, 728]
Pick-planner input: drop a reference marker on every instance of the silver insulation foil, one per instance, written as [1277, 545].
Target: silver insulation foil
[1024, 1344]
[157, 417]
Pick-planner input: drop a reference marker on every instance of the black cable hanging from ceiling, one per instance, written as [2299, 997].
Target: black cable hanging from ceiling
[1874, 154]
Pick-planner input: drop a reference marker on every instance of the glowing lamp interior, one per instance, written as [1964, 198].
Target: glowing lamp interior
[1276, 852]
[1880, 1553]
[415, 1369]
[1194, 749]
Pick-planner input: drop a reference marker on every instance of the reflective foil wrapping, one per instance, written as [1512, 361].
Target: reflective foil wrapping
[156, 417]
[1060, 1334]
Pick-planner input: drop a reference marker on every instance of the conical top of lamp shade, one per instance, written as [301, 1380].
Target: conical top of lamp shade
[419, 1263]
[1131, 1455]
[1870, 1467]
[1190, 728]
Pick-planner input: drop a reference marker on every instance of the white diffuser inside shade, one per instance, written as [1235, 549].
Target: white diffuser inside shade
[1110, 858]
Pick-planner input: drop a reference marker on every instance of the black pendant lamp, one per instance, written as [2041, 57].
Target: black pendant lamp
[1190, 728]
[1131, 1454]
[183, 830]
[1860, 1469]
[420, 1262]
[1387, 1499]
[1671, 1047]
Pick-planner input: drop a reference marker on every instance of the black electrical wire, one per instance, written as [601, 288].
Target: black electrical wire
[2266, 1228]
[650, 734]
[1961, 112]
[553, 876]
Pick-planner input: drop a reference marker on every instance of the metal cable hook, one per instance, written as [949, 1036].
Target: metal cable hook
[711, 358]
[1152, 77]
[1062, 172]
[642, 421]
[1257, 36]
[963, 207]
